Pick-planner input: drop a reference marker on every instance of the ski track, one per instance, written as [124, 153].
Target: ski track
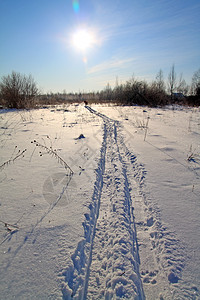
[105, 264]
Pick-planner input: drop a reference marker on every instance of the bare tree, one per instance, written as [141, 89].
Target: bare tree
[182, 86]
[108, 92]
[160, 84]
[195, 88]
[18, 91]
[172, 81]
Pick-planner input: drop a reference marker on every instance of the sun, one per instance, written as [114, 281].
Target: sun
[83, 39]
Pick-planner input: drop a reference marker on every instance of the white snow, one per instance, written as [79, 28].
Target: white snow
[100, 202]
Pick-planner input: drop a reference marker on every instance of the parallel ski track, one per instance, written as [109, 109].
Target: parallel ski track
[106, 262]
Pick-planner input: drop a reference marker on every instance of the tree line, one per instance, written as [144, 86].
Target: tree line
[21, 91]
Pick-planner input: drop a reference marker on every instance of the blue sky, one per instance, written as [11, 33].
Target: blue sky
[129, 38]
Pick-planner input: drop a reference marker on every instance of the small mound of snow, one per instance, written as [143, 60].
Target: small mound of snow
[81, 136]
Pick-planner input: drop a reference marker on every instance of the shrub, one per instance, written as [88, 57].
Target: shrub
[18, 91]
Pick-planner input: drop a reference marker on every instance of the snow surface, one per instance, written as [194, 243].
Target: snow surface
[100, 202]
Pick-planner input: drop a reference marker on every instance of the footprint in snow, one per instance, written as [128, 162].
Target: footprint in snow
[149, 277]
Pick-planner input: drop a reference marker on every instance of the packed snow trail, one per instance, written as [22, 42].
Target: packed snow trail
[114, 263]
[106, 262]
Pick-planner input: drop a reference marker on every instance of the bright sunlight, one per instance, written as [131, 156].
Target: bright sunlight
[83, 39]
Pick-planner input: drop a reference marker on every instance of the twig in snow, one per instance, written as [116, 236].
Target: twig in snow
[12, 159]
[146, 128]
[10, 227]
[192, 156]
[8, 224]
[54, 154]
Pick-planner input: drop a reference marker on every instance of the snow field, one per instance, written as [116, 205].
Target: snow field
[49, 226]
[124, 225]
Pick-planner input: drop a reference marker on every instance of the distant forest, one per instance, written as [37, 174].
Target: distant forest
[20, 91]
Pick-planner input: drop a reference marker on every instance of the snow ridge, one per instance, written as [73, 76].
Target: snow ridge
[106, 262]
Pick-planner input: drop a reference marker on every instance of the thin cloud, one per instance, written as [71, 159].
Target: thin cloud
[110, 65]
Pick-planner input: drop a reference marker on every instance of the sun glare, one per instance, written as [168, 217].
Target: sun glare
[83, 39]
